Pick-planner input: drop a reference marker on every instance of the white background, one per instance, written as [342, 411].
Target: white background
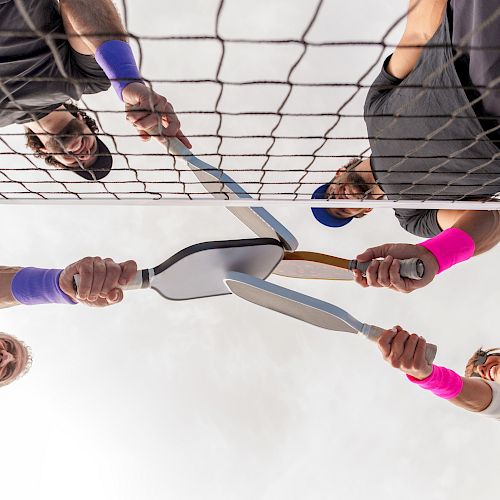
[216, 398]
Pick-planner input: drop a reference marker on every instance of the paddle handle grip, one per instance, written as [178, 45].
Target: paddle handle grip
[135, 283]
[410, 268]
[373, 333]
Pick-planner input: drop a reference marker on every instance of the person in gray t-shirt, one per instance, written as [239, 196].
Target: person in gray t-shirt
[48, 52]
[433, 129]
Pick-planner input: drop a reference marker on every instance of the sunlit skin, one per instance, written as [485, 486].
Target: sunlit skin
[352, 184]
[73, 147]
[13, 358]
[490, 369]
[406, 352]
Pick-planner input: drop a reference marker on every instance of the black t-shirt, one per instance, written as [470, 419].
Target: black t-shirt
[25, 57]
[422, 132]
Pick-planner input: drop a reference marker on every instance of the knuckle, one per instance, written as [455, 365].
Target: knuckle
[394, 362]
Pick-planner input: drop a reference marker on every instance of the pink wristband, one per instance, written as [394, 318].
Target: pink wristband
[442, 382]
[450, 247]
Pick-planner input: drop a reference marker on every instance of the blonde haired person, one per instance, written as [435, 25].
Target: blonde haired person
[478, 391]
[100, 286]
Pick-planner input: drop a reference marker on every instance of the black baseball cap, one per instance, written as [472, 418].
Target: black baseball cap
[101, 167]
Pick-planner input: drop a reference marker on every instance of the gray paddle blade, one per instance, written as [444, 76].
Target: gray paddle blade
[293, 304]
[199, 270]
[223, 187]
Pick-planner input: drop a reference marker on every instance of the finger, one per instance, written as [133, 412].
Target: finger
[99, 275]
[397, 349]
[420, 359]
[86, 272]
[383, 271]
[114, 296]
[134, 116]
[359, 278]
[152, 123]
[163, 115]
[374, 253]
[385, 341]
[184, 139]
[113, 273]
[128, 271]
[144, 136]
[372, 274]
[398, 283]
[407, 358]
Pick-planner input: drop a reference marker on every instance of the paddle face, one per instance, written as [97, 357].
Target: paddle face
[296, 305]
[221, 186]
[199, 270]
[312, 265]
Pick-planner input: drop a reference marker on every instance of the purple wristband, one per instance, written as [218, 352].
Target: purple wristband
[32, 286]
[117, 61]
[442, 382]
[450, 247]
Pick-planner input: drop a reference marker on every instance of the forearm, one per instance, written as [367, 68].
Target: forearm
[95, 25]
[475, 395]
[482, 226]
[423, 19]
[6, 276]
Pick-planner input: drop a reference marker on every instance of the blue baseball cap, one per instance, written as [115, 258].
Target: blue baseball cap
[322, 215]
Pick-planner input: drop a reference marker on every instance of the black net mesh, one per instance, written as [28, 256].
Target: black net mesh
[278, 114]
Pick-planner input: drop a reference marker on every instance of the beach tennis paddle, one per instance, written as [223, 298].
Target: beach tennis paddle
[313, 265]
[305, 308]
[199, 270]
[223, 187]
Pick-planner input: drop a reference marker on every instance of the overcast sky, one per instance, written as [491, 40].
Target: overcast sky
[216, 398]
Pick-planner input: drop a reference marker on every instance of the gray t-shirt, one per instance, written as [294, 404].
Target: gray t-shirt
[24, 58]
[422, 132]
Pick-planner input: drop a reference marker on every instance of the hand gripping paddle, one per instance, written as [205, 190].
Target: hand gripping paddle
[313, 265]
[305, 308]
[199, 270]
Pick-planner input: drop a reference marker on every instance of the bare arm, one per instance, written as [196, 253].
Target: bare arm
[483, 226]
[407, 353]
[6, 297]
[100, 286]
[424, 18]
[90, 22]
[476, 395]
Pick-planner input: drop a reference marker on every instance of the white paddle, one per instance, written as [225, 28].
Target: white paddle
[304, 308]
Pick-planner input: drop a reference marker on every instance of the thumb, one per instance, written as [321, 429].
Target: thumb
[381, 251]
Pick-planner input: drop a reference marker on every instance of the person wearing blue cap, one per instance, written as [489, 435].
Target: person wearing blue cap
[64, 55]
[419, 152]
[354, 181]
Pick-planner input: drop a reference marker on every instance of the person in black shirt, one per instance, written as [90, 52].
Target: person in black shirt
[48, 52]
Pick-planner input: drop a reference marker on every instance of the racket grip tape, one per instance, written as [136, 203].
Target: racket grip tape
[373, 333]
[135, 283]
[410, 268]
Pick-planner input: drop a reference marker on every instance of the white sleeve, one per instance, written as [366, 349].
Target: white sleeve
[493, 410]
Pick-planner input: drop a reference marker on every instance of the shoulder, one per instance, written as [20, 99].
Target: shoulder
[421, 223]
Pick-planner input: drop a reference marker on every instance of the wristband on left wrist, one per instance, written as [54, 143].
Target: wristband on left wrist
[442, 382]
[117, 60]
[32, 286]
